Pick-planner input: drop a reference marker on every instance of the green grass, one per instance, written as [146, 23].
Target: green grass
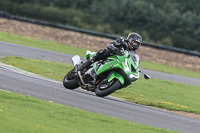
[73, 51]
[163, 94]
[153, 92]
[24, 114]
[168, 69]
[45, 68]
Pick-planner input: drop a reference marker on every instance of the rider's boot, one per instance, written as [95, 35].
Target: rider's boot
[84, 65]
[81, 67]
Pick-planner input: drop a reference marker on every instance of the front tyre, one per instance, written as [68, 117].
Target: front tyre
[69, 81]
[103, 91]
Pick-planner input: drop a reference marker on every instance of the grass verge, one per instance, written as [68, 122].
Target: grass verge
[153, 92]
[73, 51]
[23, 114]
[168, 69]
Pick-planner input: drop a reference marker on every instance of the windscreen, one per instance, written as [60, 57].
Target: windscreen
[135, 57]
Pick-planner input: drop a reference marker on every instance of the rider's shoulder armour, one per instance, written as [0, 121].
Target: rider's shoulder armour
[120, 41]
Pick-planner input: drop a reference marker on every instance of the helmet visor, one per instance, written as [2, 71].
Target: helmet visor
[135, 44]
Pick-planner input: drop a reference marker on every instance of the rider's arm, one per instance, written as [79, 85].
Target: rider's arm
[116, 46]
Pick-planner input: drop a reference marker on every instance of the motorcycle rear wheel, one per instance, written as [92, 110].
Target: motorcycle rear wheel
[69, 82]
[105, 92]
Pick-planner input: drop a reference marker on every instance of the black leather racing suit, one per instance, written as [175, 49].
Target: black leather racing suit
[116, 47]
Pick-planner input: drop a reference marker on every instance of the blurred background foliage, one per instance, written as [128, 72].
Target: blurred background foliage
[169, 22]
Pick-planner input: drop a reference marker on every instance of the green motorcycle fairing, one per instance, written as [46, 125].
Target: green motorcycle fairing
[89, 54]
[128, 63]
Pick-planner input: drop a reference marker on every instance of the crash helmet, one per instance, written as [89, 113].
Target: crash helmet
[134, 41]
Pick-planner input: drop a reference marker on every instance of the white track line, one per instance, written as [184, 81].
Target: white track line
[24, 72]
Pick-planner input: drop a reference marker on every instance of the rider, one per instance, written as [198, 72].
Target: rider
[131, 43]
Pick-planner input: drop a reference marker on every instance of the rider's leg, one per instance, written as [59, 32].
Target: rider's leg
[101, 55]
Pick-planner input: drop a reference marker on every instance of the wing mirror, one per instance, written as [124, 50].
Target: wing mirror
[146, 76]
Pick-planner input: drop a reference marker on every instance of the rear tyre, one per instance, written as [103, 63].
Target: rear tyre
[108, 90]
[69, 81]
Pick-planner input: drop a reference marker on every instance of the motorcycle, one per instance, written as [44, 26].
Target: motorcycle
[104, 76]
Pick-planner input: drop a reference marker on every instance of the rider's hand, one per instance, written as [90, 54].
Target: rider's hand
[122, 52]
[119, 52]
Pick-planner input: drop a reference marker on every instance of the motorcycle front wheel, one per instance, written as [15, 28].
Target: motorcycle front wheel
[103, 89]
[69, 81]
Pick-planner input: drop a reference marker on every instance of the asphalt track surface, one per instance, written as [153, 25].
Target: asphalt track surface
[7, 49]
[54, 91]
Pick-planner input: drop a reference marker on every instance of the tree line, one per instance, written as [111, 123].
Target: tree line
[169, 22]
